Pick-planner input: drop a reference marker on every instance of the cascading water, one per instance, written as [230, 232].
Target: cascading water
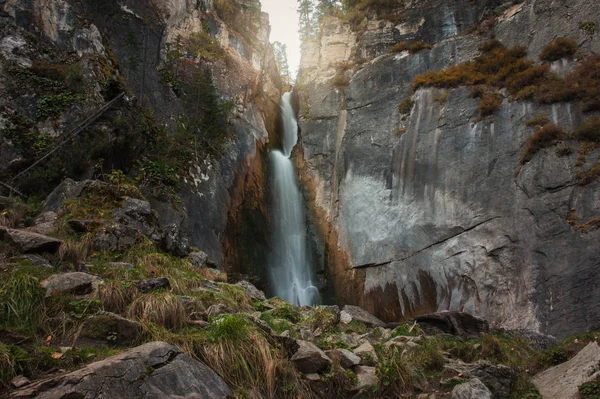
[291, 272]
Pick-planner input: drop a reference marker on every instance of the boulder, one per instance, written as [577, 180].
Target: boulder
[115, 237]
[354, 313]
[309, 358]
[198, 259]
[76, 283]
[153, 371]
[367, 354]
[366, 377]
[107, 327]
[154, 284]
[252, 291]
[498, 378]
[45, 223]
[32, 260]
[68, 189]
[29, 242]
[84, 226]
[173, 241]
[562, 381]
[474, 389]
[347, 359]
[461, 324]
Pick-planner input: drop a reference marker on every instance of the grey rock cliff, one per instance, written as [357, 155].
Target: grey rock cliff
[439, 217]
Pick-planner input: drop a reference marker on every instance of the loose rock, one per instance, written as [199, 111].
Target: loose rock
[367, 354]
[154, 284]
[29, 242]
[19, 381]
[112, 328]
[155, 370]
[252, 291]
[354, 313]
[347, 359]
[309, 358]
[76, 283]
[474, 389]
[366, 376]
[460, 324]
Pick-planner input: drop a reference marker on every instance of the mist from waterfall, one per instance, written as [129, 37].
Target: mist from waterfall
[291, 272]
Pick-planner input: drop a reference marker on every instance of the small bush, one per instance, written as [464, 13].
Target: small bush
[340, 80]
[405, 106]
[537, 120]
[563, 151]
[560, 48]
[413, 48]
[545, 136]
[587, 177]
[490, 102]
[589, 130]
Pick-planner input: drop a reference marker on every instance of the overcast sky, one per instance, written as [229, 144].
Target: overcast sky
[284, 28]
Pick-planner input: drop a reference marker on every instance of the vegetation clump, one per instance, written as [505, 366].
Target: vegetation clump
[412, 48]
[406, 106]
[589, 130]
[502, 68]
[545, 136]
[562, 47]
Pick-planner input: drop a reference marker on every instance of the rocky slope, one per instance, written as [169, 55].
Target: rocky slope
[420, 204]
[94, 310]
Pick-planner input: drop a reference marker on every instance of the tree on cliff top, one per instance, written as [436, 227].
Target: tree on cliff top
[280, 52]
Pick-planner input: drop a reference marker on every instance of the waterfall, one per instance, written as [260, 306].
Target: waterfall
[291, 271]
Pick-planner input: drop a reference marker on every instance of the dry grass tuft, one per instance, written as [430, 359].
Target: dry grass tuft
[75, 252]
[116, 296]
[163, 309]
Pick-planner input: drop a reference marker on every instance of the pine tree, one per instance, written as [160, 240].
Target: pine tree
[280, 52]
[305, 11]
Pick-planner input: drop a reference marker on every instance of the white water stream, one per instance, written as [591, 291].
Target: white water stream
[291, 271]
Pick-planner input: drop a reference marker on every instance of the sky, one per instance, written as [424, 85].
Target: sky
[284, 28]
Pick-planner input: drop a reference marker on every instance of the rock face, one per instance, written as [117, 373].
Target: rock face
[134, 42]
[562, 381]
[154, 370]
[441, 217]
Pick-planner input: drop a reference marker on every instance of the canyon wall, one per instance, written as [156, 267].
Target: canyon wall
[139, 40]
[429, 209]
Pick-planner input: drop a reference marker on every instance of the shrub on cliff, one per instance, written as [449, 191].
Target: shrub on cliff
[545, 136]
[562, 47]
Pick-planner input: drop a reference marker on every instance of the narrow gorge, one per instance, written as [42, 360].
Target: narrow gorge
[413, 213]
